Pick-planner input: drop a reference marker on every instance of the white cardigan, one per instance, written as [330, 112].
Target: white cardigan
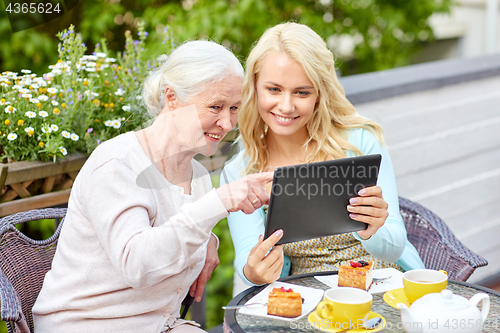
[130, 247]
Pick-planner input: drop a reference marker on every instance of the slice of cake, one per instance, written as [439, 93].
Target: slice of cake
[357, 275]
[284, 302]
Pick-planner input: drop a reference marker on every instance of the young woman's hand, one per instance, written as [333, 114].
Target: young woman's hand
[246, 194]
[263, 267]
[370, 207]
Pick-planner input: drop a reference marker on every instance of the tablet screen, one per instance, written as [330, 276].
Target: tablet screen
[310, 200]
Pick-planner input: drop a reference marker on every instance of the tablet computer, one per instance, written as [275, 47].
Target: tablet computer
[310, 200]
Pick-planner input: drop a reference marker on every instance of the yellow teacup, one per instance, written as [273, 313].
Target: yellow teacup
[345, 307]
[420, 282]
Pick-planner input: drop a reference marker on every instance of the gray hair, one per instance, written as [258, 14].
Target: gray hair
[188, 68]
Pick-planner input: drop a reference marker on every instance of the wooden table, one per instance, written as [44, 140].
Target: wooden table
[240, 323]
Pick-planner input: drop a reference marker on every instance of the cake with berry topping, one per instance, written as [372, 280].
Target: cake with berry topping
[359, 274]
[284, 303]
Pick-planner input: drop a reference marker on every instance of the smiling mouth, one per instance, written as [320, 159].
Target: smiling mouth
[214, 136]
[284, 119]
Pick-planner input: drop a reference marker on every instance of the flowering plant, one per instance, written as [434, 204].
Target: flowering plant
[83, 101]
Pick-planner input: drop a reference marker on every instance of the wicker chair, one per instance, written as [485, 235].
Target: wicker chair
[23, 265]
[435, 242]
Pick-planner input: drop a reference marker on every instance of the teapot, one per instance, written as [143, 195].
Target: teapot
[445, 312]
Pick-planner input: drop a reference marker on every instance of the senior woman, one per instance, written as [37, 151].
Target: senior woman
[141, 211]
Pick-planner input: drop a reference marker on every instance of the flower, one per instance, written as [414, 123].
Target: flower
[25, 71]
[43, 98]
[119, 92]
[34, 100]
[43, 114]
[30, 114]
[74, 137]
[52, 90]
[63, 151]
[46, 129]
[7, 122]
[108, 123]
[12, 136]
[41, 144]
[54, 127]
[30, 130]
[90, 130]
[116, 123]
[66, 134]
[10, 109]
[20, 122]
[126, 108]
[56, 111]
[54, 103]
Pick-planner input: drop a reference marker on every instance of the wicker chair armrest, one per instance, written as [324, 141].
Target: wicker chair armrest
[9, 300]
[447, 237]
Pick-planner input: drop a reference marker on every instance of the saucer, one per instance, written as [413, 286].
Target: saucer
[393, 297]
[324, 324]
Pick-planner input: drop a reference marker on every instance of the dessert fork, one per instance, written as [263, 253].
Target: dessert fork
[234, 307]
[376, 280]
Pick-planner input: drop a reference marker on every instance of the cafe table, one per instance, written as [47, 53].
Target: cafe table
[236, 322]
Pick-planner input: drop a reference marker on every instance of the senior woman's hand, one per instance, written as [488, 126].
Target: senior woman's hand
[246, 194]
[370, 207]
[211, 262]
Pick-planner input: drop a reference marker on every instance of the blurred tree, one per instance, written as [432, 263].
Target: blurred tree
[365, 35]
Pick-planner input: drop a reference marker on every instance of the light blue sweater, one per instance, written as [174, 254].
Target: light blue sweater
[389, 243]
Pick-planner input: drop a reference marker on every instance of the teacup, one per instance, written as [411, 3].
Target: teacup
[420, 282]
[345, 307]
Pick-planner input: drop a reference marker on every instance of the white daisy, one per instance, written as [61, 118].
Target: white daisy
[29, 129]
[35, 86]
[126, 108]
[55, 103]
[116, 123]
[26, 95]
[4, 103]
[66, 134]
[63, 151]
[100, 55]
[24, 91]
[54, 127]
[12, 136]
[10, 109]
[16, 87]
[74, 137]
[108, 123]
[119, 92]
[46, 129]
[43, 98]
[25, 71]
[52, 90]
[30, 114]
[34, 100]
[110, 60]
[43, 114]
[90, 69]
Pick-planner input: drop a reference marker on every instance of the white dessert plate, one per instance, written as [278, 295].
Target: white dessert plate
[311, 298]
[395, 282]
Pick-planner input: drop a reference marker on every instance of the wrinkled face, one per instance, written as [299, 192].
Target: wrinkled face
[217, 112]
[286, 96]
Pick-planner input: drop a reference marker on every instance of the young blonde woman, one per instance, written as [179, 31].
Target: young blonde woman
[295, 111]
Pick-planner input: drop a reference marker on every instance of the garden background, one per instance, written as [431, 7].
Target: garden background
[365, 35]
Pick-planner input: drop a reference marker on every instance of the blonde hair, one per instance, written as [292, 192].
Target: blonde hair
[187, 70]
[333, 113]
